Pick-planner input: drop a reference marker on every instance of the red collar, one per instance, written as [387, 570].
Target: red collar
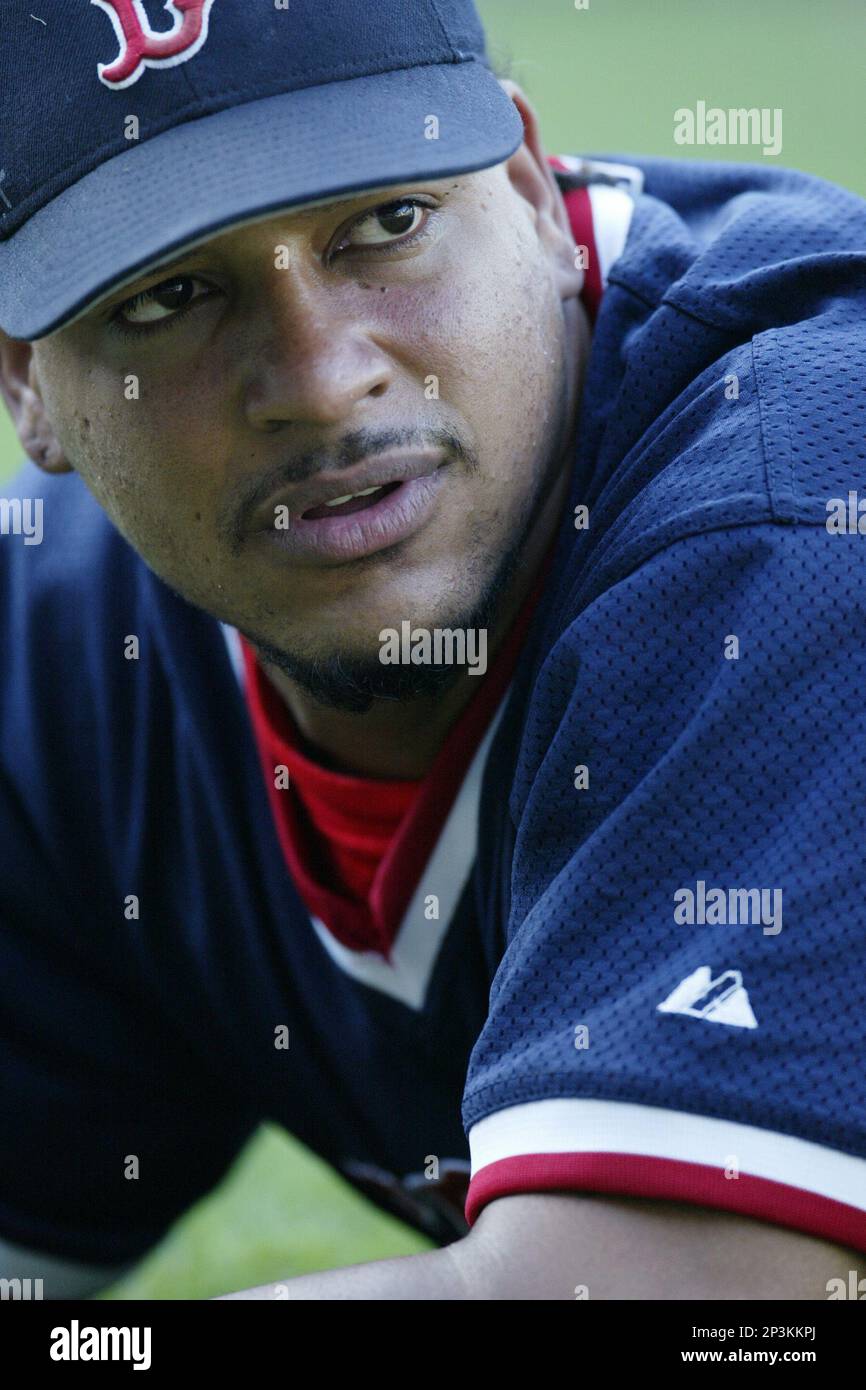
[351, 801]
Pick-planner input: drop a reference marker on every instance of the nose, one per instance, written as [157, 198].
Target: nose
[315, 360]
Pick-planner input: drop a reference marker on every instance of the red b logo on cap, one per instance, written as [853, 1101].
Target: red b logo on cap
[141, 47]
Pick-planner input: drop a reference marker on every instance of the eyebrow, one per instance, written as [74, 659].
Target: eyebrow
[163, 268]
[167, 265]
[128, 289]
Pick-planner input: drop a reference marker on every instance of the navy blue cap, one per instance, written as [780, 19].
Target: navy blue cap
[133, 129]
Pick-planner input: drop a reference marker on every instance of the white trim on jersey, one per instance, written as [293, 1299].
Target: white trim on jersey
[233, 642]
[612, 206]
[626, 176]
[416, 946]
[612, 211]
[581, 1126]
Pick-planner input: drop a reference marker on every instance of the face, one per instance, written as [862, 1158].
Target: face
[408, 348]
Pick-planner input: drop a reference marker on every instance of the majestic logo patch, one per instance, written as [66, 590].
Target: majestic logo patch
[719, 1000]
[142, 47]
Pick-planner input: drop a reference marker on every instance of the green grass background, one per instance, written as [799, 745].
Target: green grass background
[606, 79]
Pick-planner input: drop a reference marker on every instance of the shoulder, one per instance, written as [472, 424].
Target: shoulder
[101, 659]
[727, 242]
[723, 386]
[73, 593]
[62, 570]
[60, 557]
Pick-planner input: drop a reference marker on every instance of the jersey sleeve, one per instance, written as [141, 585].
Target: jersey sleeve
[109, 1127]
[679, 1011]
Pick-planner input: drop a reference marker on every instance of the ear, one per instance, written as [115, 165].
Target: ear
[19, 387]
[532, 177]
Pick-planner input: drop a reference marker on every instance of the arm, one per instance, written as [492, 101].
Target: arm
[610, 1063]
[562, 1246]
[87, 1082]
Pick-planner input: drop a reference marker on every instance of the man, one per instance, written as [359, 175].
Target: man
[432, 716]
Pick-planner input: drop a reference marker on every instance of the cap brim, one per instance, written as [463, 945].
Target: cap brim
[241, 164]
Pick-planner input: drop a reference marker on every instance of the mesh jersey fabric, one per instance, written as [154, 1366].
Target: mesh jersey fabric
[722, 410]
[704, 665]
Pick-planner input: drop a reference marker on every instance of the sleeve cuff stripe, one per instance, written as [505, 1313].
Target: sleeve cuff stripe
[579, 1125]
[631, 1175]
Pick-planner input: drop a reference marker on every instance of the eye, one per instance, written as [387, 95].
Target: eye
[164, 301]
[382, 226]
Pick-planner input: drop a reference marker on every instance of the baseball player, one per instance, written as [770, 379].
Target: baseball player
[431, 713]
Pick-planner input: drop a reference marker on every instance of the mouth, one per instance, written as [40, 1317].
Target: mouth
[349, 504]
[372, 506]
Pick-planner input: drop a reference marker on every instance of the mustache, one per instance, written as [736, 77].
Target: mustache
[358, 445]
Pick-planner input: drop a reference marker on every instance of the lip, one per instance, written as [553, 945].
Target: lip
[339, 539]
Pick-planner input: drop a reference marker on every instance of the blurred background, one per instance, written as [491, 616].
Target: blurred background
[604, 79]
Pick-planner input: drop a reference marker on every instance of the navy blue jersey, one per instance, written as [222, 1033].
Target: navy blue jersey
[648, 971]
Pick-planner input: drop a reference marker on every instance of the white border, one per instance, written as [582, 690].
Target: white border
[416, 945]
[612, 211]
[619, 1127]
[236, 656]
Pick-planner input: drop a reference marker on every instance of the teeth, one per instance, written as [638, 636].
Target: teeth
[339, 501]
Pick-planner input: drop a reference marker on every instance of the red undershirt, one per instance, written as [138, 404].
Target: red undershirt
[356, 846]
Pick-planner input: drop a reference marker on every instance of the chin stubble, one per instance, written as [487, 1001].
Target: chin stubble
[350, 683]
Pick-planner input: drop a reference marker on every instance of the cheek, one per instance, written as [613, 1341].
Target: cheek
[490, 330]
[142, 449]
[148, 478]
[499, 360]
